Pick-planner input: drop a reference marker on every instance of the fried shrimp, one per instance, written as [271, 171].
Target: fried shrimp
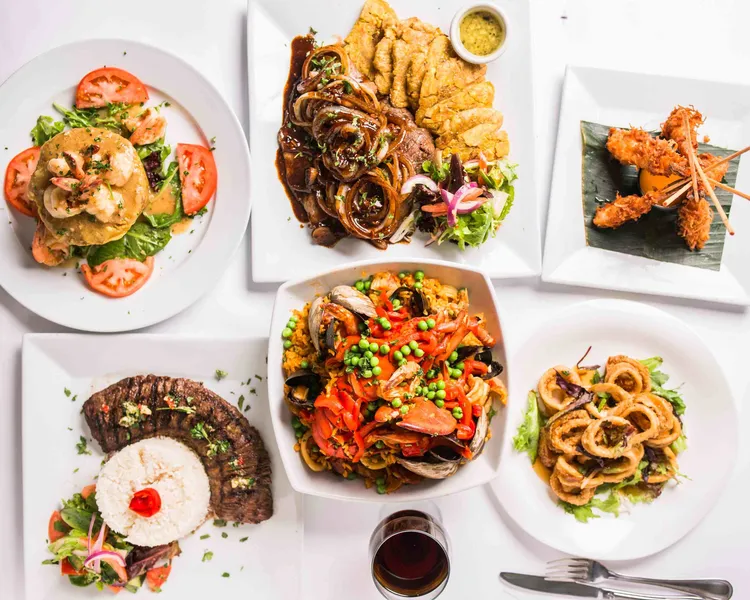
[674, 128]
[694, 219]
[638, 147]
[717, 174]
[625, 208]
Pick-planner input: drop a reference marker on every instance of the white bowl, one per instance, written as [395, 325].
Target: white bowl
[455, 34]
[293, 295]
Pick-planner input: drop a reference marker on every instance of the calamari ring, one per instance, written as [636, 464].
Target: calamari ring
[552, 398]
[479, 391]
[593, 444]
[672, 468]
[565, 434]
[661, 407]
[315, 465]
[623, 467]
[645, 420]
[374, 462]
[618, 394]
[545, 452]
[630, 374]
[577, 498]
[667, 437]
[572, 479]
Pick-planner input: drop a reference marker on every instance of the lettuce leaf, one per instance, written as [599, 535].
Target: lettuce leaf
[658, 379]
[45, 129]
[140, 242]
[610, 504]
[680, 444]
[527, 438]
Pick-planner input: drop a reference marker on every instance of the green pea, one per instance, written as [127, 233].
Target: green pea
[354, 349]
[402, 362]
[380, 481]
[368, 354]
[376, 371]
[440, 403]
[455, 373]
[386, 325]
[398, 356]
[396, 403]
[440, 394]
[419, 275]
[413, 345]
[304, 364]
[404, 409]
[380, 444]
[430, 395]
[372, 406]
[360, 285]
[286, 333]
[351, 476]
[299, 433]
[431, 323]
[385, 349]
[374, 347]
[441, 385]
[460, 366]
[354, 361]
[367, 374]
[291, 324]
[396, 303]
[367, 284]
[374, 361]
[423, 325]
[431, 374]
[418, 391]
[419, 353]
[381, 489]
[402, 274]
[417, 285]
[294, 318]
[287, 344]
[453, 357]
[364, 344]
[405, 350]
[458, 413]
[296, 423]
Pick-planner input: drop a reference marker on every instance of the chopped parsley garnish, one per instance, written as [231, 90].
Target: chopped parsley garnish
[82, 446]
[67, 392]
[225, 574]
[207, 555]
[224, 534]
[220, 523]
[220, 374]
[244, 539]
[205, 536]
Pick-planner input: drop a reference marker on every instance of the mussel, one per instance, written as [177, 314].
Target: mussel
[413, 299]
[480, 435]
[304, 386]
[445, 454]
[325, 319]
[481, 354]
[314, 319]
[354, 300]
[429, 470]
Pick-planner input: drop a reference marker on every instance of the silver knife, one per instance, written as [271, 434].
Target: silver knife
[581, 590]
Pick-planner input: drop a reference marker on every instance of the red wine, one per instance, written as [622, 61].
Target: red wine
[410, 563]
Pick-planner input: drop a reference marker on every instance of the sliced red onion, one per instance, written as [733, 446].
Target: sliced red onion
[418, 180]
[91, 532]
[406, 228]
[97, 547]
[451, 200]
[465, 208]
[94, 560]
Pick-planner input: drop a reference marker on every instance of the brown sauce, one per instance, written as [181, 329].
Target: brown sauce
[182, 226]
[543, 472]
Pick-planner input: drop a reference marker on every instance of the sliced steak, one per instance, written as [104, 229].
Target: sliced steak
[231, 450]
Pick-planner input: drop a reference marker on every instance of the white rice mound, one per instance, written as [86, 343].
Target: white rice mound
[167, 466]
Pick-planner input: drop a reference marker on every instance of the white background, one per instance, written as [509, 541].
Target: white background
[679, 37]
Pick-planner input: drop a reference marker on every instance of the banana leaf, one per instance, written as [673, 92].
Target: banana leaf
[654, 235]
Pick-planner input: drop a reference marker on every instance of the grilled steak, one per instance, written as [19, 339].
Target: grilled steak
[231, 450]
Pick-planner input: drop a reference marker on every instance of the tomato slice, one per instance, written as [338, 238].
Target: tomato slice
[198, 176]
[118, 277]
[88, 490]
[67, 569]
[155, 578]
[17, 177]
[52, 533]
[109, 84]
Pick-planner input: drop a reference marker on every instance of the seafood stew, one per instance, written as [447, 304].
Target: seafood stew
[390, 379]
[102, 187]
[600, 438]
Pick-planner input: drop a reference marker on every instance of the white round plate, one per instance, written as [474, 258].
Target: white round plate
[192, 262]
[710, 424]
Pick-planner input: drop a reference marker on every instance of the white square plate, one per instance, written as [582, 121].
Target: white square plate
[267, 565]
[622, 99]
[294, 295]
[281, 246]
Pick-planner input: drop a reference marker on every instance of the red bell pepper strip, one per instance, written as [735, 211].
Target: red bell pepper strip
[330, 402]
[475, 367]
[322, 440]
[476, 410]
[359, 440]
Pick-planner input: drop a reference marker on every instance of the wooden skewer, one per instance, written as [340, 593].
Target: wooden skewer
[678, 182]
[676, 195]
[726, 188]
[696, 167]
[693, 160]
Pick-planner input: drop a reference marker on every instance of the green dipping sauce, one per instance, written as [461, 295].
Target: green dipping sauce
[481, 32]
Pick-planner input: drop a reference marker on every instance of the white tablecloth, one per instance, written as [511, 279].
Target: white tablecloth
[677, 37]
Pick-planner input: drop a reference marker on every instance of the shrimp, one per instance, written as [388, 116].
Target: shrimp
[638, 147]
[75, 164]
[46, 249]
[59, 204]
[58, 167]
[625, 208]
[104, 203]
[116, 169]
[147, 127]
[694, 219]
[674, 128]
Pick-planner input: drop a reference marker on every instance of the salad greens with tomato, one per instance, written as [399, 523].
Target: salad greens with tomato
[462, 203]
[88, 553]
[180, 188]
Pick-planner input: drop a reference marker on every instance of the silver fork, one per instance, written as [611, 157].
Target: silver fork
[589, 571]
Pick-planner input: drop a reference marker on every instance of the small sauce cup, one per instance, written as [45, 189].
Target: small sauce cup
[471, 17]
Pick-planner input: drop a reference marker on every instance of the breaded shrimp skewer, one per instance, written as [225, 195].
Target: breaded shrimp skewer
[638, 147]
